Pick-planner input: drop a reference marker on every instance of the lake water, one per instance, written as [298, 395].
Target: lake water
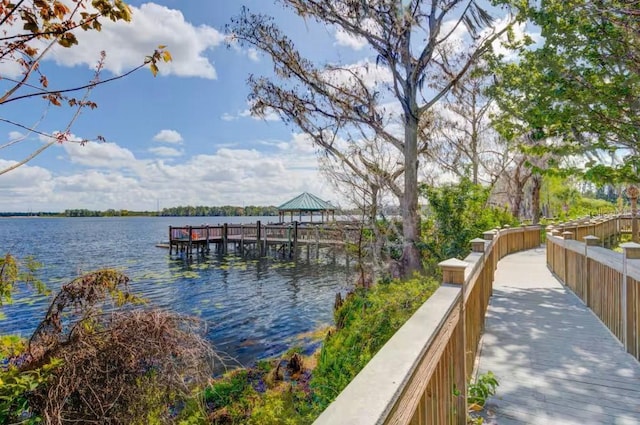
[254, 308]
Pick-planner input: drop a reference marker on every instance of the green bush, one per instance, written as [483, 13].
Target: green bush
[367, 318]
[456, 214]
[227, 390]
[484, 387]
[288, 406]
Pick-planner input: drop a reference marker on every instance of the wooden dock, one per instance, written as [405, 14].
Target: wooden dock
[258, 237]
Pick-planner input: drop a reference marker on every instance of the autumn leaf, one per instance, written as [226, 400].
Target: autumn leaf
[53, 98]
[154, 69]
[30, 51]
[166, 56]
[474, 407]
[60, 10]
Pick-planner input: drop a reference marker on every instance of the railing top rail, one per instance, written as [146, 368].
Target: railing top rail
[390, 369]
[604, 256]
[201, 227]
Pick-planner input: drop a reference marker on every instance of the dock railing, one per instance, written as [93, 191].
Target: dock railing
[420, 376]
[335, 234]
[606, 281]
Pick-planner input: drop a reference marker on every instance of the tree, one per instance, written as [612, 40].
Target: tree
[338, 101]
[365, 178]
[30, 31]
[466, 144]
[580, 89]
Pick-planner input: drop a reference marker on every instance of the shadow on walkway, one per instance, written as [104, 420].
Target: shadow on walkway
[555, 361]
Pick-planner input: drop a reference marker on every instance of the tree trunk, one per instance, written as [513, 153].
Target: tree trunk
[476, 158]
[535, 198]
[475, 124]
[410, 218]
[517, 202]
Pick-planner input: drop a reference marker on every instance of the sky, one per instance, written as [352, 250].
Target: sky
[185, 137]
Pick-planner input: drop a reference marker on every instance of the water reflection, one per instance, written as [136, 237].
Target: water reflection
[254, 307]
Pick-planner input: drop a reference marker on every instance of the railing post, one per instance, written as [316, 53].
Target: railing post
[488, 236]
[258, 230]
[208, 236]
[225, 237]
[566, 235]
[478, 245]
[631, 251]
[295, 238]
[589, 240]
[453, 271]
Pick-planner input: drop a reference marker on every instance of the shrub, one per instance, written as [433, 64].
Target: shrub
[456, 214]
[484, 387]
[285, 406]
[128, 366]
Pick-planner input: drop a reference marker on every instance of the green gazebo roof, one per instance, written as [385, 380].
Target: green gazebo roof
[306, 202]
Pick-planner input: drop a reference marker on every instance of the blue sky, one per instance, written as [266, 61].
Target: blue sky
[184, 137]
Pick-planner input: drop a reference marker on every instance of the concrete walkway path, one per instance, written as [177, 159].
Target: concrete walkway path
[555, 361]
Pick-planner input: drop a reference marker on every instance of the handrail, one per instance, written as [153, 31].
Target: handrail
[414, 377]
[607, 282]
[308, 232]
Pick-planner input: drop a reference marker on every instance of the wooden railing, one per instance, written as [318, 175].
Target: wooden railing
[265, 232]
[607, 282]
[420, 375]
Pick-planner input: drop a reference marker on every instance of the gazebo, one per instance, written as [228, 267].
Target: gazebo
[306, 203]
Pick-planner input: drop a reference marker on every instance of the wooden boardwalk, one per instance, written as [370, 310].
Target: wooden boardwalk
[556, 362]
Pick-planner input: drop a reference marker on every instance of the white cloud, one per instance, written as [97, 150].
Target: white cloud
[112, 177]
[519, 33]
[166, 151]
[228, 117]
[152, 25]
[22, 177]
[253, 54]
[16, 135]
[343, 38]
[354, 41]
[370, 73]
[99, 155]
[269, 115]
[168, 136]
[302, 142]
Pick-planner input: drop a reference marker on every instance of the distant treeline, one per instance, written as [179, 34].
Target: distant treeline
[29, 214]
[187, 211]
[223, 211]
[181, 211]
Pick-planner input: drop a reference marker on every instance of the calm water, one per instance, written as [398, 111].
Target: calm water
[254, 308]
